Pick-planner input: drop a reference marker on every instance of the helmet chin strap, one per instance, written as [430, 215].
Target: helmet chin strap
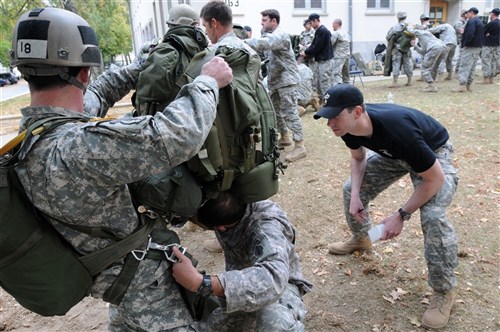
[62, 72]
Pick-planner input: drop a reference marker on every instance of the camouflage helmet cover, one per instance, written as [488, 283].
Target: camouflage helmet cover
[182, 15]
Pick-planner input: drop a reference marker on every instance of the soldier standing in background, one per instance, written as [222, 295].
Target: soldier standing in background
[322, 51]
[490, 53]
[283, 79]
[472, 42]
[459, 29]
[341, 53]
[400, 52]
[306, 38]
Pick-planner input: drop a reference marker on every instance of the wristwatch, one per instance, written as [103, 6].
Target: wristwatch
[404, 215]
[205, 288]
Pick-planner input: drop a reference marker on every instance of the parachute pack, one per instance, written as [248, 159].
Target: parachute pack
[156, 86]
[41, 270]
[241, 150]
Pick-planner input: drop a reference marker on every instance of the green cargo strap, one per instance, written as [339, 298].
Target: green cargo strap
[205, 161]
[101, 259]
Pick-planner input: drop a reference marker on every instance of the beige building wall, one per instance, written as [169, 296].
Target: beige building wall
[367, 20]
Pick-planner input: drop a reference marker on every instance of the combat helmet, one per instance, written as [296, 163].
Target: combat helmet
[182, 15]
[401, 15]
[47, 41]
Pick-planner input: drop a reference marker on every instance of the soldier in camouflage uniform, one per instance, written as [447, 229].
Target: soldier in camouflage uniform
[403, 141]
[283, 79]
[78, 173]
[433, 52]
[459, 30]
[448, 36]
[400, 55]
[110, 87]
[341, 53]
[262, 287]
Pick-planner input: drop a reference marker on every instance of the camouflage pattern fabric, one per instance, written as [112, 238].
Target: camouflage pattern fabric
[324, 73]
[287, 114]
[459, 28]
[490, 57]
[467, 69]
[306, 37]
[282, 68]
[440, 240]
[78, 174]
[448, 36]
[399, 60]
[304, 89]
[341, 54]
[263, 283]
[110, 87]
[433, 51]
[287, 314]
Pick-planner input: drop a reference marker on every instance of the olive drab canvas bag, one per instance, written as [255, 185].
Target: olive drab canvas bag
[241, 150]
[37, 266]
[155, 88]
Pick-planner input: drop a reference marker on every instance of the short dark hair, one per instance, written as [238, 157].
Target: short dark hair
[219, 11]
[41, 83]
[226, 209]
[313, 17]
[271, 13]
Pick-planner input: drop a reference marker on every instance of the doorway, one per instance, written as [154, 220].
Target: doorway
[438, 12]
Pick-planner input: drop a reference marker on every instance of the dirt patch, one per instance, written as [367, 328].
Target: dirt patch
[386, 290]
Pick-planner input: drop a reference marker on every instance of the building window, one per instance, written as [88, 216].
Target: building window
[308, 4]
[379, 4]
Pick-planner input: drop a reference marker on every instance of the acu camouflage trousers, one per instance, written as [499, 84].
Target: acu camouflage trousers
[490, 56]
[440, 240]
[468, 63]
[287, 114]
[286, 314]
[401, 59]
[324, 74]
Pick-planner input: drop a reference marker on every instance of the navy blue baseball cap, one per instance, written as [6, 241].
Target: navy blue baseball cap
[337, 98]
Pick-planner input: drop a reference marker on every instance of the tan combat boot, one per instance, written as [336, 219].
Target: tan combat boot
[486, 80]
[298, 152]
[394, 83]
[284, 139]
[431, 87]
[350, 246]
[449, 77]
[437, 314]
[302, 111]
[491, 79]
[461, 88]
[468, 87]
[315, 103]
[420, 79]
[408, 83]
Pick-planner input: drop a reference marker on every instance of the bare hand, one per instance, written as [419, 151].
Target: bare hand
[393, 226]
[185, 273]
[218, 69]
[357, 210]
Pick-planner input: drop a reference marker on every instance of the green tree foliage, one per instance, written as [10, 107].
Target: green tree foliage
[10, 10]
[109, 18]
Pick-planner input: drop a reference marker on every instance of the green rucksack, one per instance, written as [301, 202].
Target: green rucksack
[403, 40]
[41, 270]
[241, 150]
[156, 86]
[295, 41]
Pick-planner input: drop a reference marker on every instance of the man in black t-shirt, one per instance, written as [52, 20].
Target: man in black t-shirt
[401, 140]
